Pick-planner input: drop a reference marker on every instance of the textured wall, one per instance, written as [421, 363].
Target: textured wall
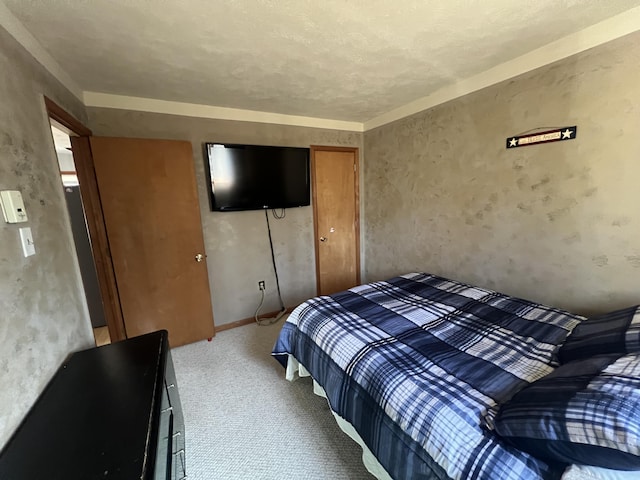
[236, 243]
[43, 314]
[557, 223]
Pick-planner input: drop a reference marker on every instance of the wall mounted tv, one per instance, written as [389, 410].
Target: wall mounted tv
[255, 177]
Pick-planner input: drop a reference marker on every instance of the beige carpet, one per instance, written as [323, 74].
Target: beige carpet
[243, 420]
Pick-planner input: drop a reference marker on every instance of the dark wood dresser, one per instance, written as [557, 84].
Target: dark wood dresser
[108, 413]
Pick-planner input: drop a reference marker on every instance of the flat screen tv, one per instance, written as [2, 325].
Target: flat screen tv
[255, 177]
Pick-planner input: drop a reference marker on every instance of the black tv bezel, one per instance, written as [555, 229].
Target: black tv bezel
[208, 179]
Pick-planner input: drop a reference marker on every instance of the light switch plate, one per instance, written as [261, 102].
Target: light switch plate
[26, 238]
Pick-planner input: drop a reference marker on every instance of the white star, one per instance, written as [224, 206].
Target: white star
[567, 133]
[513, 142]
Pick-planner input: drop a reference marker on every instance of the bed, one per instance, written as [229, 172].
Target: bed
[417, 367]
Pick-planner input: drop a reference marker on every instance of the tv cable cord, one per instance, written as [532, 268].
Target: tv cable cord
[270, 321]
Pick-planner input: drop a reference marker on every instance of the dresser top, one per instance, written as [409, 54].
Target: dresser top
[96, 418]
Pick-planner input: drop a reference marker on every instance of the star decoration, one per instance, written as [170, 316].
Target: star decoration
[513, 142]
[567, 134]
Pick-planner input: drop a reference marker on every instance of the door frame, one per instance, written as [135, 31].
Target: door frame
[356, 199]
[90, 194]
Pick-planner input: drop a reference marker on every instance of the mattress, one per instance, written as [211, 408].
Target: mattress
[573, 472]
[418, 365]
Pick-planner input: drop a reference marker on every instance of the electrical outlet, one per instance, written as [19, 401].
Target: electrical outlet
[261, 285]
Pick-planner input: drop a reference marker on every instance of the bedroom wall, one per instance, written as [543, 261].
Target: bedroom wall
[557, 223]
[43, 313]
[236, 243]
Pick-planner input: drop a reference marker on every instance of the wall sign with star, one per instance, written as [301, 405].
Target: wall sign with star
[557, 135]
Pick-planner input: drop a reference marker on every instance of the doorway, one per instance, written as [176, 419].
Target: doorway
[336, 215]
[82, 240]
[79, 135]
[141, 212]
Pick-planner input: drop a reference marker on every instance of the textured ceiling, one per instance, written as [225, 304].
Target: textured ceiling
[338, 59]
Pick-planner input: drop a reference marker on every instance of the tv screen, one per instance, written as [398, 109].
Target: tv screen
[254, 177]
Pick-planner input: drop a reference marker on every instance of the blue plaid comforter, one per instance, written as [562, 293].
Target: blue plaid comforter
[418, 363]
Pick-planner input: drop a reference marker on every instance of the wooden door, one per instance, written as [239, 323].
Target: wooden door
[336, 218]
[152, 218]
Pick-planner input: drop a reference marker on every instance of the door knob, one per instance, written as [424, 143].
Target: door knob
[323, 239]
[199, 257]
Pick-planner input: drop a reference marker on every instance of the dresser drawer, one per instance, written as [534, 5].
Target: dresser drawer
[164, 450]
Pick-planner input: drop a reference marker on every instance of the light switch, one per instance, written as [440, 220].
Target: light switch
[13, 206]
[28, 247]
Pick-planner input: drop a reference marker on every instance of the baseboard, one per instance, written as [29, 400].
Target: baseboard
[247, 321]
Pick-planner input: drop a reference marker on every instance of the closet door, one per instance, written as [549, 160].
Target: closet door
[152, 217]
[336, 218]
